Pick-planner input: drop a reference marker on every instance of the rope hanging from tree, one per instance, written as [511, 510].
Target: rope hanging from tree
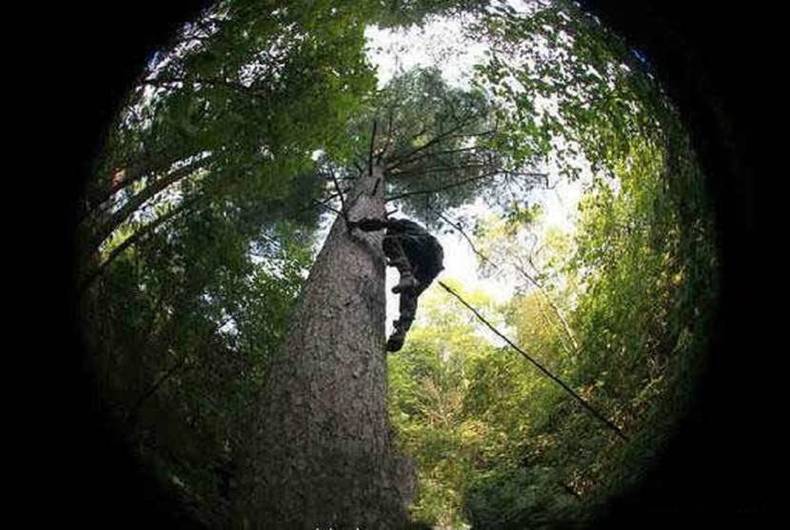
[539, 366]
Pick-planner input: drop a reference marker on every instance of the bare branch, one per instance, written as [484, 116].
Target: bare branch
[433, 141]
[340, 194]
[443, 168]
[372, 143]
[441, 188]
[465, 236]
[343, 211]
[326, 206]
[390, 137]
[410, 160]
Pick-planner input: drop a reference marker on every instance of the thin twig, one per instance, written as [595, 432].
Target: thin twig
[460, 183]
[323, 205]
[411, 160]
[370, 152]
[390, 137]
[433, 141]
[132, 414]
[441, 188]
[465, 236]
[343, 210]
[566, 329]
[539, 366]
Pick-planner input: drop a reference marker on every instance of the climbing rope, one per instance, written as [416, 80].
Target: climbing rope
[539, 366]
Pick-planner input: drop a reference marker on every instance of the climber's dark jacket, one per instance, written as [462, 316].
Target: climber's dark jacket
[417, 255]
[423, 251]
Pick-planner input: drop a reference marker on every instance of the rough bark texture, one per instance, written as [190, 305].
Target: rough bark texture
[326, 457]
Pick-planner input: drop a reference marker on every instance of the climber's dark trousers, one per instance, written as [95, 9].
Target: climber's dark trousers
[408, 308]
[408, 298]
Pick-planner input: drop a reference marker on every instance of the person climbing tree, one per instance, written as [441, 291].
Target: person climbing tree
[417, 255]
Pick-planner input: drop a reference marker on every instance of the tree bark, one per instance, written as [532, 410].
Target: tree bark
[326, 457]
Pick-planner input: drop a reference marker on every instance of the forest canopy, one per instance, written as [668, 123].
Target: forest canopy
[534, 143]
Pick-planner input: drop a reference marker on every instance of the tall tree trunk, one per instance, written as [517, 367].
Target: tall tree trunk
[326, 456]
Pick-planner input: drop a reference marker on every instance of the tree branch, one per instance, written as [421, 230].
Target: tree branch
[433, 141]
[324, 205]
[133, 172]
[133, 239]
[410, 160]
[138, 199]
[554, 307]
[135, 409]
[390, 137]
[566, 328]
[224, 83]
[465, 236]
[343, 210]
[370, 151]
[441, 188]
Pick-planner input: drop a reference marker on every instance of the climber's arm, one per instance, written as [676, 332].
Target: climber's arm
[368, 224]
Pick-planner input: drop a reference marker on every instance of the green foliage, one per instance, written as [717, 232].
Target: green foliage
[243, 98]
[429, 381]
[619, 309]
[577, 88]
[536, 458]
[181, 332]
